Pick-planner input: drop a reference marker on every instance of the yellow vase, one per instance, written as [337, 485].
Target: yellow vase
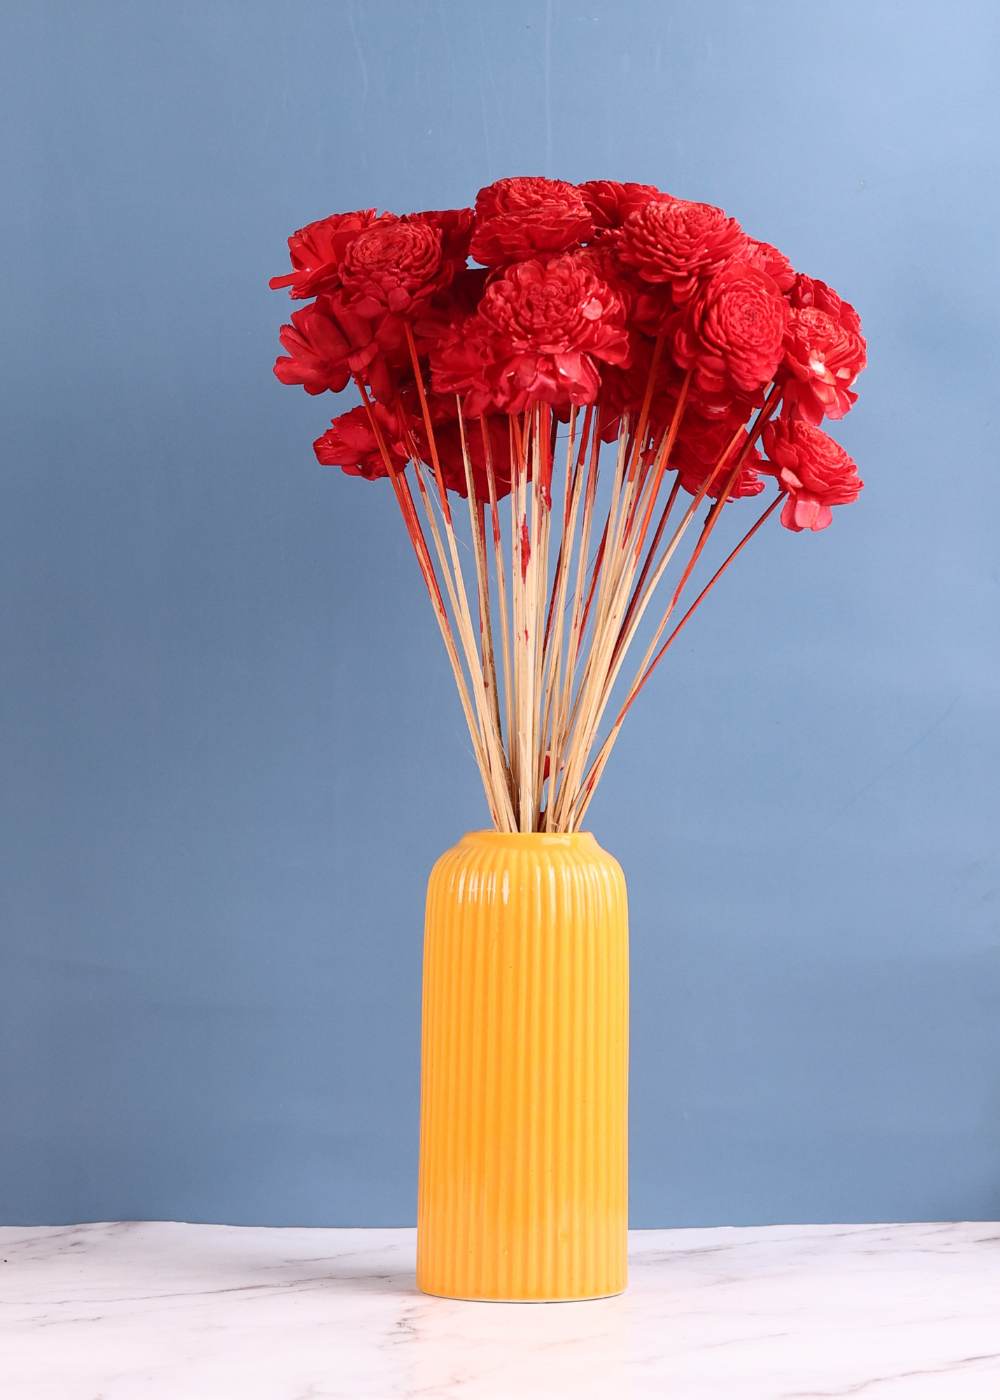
[523, 1189]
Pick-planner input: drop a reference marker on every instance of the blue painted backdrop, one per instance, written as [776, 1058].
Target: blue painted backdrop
[230, 749]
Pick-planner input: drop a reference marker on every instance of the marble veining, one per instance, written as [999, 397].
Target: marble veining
[142, 1311]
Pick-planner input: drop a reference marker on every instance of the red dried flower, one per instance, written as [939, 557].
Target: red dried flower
[460, 363]
[611, 203]
[393, 267]
[351, 443]
[386, 266]
[815, 471]
[624, 389]
[327, 344]
[733, 332]
[456, 227]
[601, 256]
[824, 360]
[527, 215]
[698, 448]
[536, 335]
[678, 242]
[810, 291]
[449, 308]
[318, 250]
[767, 258]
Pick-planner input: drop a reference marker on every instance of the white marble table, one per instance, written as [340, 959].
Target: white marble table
[212, 1312]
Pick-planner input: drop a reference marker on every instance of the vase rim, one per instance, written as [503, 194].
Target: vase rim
[538, 838]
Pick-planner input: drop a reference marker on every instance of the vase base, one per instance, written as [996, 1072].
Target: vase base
[484, 1298]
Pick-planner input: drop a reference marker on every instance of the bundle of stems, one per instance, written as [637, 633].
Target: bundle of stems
[565, 628]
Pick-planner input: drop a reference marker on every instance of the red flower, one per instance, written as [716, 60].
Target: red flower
[391, 266]
[767, 258]
[351, 443]
[601, 256]
[460, 362]
[810, 291]
[448, 309]
[677, 242]
[733, 332]
[698, 448]
[536, 335]
[824, 360]
[385, 266]
[611, 203]
[392, 272]
[318, 250]
[456, 231]
[527, 215]
[624, 389]
[815, 471]
[327, 344]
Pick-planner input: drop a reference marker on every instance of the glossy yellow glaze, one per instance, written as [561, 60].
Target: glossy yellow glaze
[524, 1081]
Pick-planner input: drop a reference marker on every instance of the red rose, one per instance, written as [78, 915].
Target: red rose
[815, 471]
[824, 360]
[677, 242]
[351, 443]
[733, 332]
[317, 252]
[536, 335]
[521, 217]
[769, 259]
[327, 344]
[810, 291]
[611, 203]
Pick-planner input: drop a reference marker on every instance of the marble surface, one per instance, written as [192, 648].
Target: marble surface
[212, 1312]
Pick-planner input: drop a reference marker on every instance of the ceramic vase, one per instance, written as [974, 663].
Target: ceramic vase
[523, 1191]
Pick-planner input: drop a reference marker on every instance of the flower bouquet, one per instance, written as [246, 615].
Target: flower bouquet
[615, 360]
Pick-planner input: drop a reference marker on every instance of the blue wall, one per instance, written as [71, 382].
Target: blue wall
[230, 748]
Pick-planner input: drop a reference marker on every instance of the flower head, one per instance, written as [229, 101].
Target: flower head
[526, 216]
[456, 231]
[810, 291]
[388, 266]
[815, 471]
[733, 331]
[317, 252]
[699, 447]
[770, 260]
[823, 360]
[678, 242]
[327, 343]
[352, 445]
[536, 335]
[610, 203]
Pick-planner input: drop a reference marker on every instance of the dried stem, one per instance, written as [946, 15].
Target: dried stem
[427, 570]
[593, 777]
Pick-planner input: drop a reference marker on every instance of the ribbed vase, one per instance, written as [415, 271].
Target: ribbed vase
[523, 1190]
